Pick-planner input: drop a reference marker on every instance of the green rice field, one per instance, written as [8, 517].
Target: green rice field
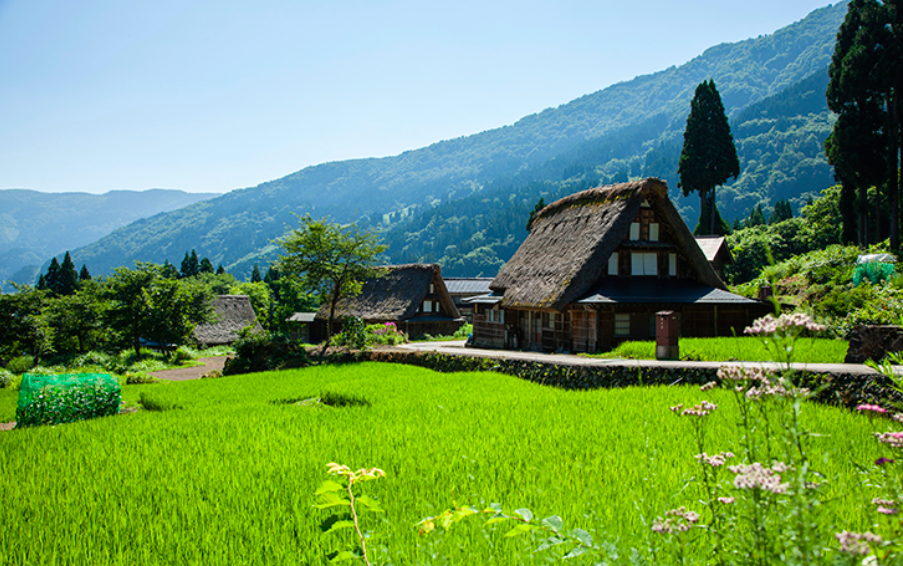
[741, 348]
[224, 472]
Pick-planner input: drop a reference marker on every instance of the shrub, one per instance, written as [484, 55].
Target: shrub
[263, 351]
[353, 334]
[20, 364]
[387, 334]
[66, 398]
[6, 377]
[182, 354]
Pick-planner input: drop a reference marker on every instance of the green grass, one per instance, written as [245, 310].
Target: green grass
[744, 349]
[229, 476]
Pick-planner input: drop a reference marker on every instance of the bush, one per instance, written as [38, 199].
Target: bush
[182, 354]
[20, 364]
[66, 398]
[6, 378]
[387, 334]
[353, 334]
[263, 351]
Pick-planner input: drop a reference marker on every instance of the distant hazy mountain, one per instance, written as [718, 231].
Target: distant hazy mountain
[36, 226]
[623, 130]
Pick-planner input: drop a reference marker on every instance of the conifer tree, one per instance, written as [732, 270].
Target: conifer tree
[190, 265]
[52, 280]
[709, 157]
[169, 270]
[255, 274]
[206, 266]
[84, 274]
[68, 279]
[220, 270]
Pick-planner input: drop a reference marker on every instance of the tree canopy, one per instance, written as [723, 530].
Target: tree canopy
[332, 260]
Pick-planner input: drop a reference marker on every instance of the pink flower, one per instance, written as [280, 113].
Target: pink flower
[726, 500]
[857, 543]
[796, 322]
[715, 460]
[757, 476]
[676, 520]
[892, 439]
[872, 408]
[709, 385]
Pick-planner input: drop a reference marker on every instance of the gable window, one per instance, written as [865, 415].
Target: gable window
[613, 264]
[653, 232]
[635, 231]
[622, 324]
[643, 264]
[427, 306]
[432, 289]
[672, 265]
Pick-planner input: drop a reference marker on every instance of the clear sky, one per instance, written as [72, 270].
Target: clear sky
[217, 95]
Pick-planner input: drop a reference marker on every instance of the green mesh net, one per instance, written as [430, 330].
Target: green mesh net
[873, 271]
[66, 398]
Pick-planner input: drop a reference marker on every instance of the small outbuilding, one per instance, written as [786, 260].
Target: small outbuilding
[716, 251]
[413, 296]
[233, 313]
[596, 267]
[462, 288]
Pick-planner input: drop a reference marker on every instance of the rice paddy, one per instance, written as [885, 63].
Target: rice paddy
[740, 348]
[225, 471]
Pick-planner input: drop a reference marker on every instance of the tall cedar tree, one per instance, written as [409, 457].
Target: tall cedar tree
[84, 274]
[332, 260]
[856, 145]
[52, 279]
[709, 157]
[864, 91]
[68, 282]
[206, 266]
[255, 274]
[190, 265]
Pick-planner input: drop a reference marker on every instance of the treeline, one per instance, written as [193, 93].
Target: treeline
[148, 304]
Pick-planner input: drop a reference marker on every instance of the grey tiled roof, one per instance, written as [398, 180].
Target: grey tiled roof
[467, 285]
[660, 290]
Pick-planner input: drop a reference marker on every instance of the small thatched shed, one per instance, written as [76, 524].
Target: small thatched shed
[596, 267]
[413, 296]
[233, 312]
[716, 252]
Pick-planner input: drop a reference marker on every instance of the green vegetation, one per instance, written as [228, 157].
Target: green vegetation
[229, 476]
[740, 348]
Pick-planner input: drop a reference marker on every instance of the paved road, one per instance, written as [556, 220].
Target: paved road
[457, 348]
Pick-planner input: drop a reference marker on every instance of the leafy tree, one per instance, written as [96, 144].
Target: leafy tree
[255, 274]
[206, 266]
[76, 319]
[332, 260]
[709, 157]
[539, 206]
[84, 274]
[146, 304]
[22, 328]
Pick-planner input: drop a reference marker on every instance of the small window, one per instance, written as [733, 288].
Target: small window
[432, 289]
[635, 231]
[672, 265]
[622, 325]
[427, 305]
[653, 232]
[613, 264]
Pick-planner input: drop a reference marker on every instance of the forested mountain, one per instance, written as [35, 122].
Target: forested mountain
[35, 226]
[629, 129]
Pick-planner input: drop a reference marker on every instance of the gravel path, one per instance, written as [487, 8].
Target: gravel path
[183, 374]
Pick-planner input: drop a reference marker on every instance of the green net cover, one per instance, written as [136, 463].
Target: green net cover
[873, 271]
[66, 398]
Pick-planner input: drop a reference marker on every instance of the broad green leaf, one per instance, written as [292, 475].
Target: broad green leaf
[575, 552]
[583, 536]
[462, 513]
[344, 555]
[497, 519]
[497, 507]
[329, 486]
[554, 522]
[370, 503]
[426, 527]
[519, 529]
[330, 499]
[525, 513]
[338, 525]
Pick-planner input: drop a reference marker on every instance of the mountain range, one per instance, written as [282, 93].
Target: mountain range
[463, 202]
[36, 226]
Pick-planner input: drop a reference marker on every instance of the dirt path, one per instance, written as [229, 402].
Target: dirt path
[183, 374]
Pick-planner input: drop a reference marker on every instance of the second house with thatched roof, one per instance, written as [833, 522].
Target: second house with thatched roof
[413, 296]
[596, 267]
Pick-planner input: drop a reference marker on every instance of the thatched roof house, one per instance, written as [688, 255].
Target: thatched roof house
[716, 252]
[595, 268]
[413, 296]
[233, 312]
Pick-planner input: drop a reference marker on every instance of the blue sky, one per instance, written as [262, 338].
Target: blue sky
[213, 96]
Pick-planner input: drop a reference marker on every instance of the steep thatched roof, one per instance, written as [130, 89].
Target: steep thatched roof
[713, 247]
[571, 240]
[396, 295]
[233, 312]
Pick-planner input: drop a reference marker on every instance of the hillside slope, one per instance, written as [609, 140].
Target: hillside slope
[236, 229]
[35, 226]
